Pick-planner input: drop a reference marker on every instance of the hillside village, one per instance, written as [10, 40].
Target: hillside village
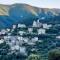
[40, 38]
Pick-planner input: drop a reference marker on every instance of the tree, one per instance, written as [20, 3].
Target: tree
[34, 57]
[54, 54]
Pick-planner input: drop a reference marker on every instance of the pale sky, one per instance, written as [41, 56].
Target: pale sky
[38, 3]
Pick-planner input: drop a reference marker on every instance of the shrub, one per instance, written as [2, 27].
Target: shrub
[54, 54]
[34, 57]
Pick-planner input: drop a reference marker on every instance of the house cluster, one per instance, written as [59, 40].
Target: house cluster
[40, 27]
[43, 25]
[24, 35]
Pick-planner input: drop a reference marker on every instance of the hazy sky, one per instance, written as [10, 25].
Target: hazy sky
[38, 3]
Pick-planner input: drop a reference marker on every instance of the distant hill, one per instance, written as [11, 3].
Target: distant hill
[23, 13]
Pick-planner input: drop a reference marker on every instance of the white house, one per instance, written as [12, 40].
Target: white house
[12, 48]
[38, 23]
[41, 31]
[46, 26]
[58, 37]
[20, 38]
[5, 37]
[13, 42]
[8, 29]
[30, 30]
[31, 43]
[9, 33]
[14, 26]
[34, 24]
[49, 25]
[1, 41]
[21, 25]
[40, 41]
[0, 33]
[23, 50]
[3, 31]
[17, 47]
[21, 32]
[42, 18]
[26, 40]
[33, 49]
[34, 39]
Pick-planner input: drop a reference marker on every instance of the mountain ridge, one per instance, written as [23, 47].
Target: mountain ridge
[24, 13]
[9, 6]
